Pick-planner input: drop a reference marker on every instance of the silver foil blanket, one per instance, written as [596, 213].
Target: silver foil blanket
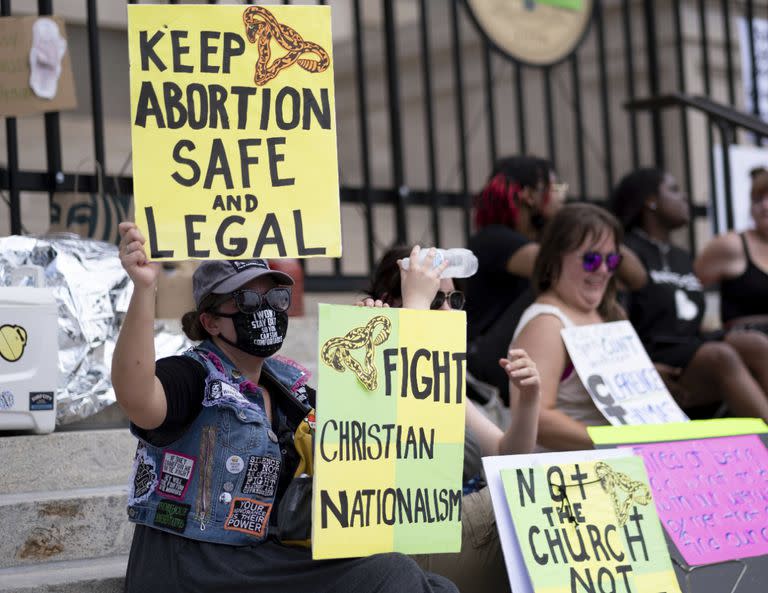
[92, 292]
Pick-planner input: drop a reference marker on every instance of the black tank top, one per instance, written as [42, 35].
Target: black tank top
[744, 295]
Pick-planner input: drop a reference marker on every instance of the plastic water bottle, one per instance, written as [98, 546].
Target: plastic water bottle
[462, 263]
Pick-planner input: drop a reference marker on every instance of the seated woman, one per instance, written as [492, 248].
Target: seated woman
[225, 416]
[739, 263]
[575, 284]
[479, 566]
[510, 214]
[667, 312]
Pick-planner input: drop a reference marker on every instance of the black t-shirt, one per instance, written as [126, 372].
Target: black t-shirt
[183, 380]
[669, 308]
[492, 289]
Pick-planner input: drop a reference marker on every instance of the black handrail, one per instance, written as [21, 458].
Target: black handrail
[715, 110]
[726, 118]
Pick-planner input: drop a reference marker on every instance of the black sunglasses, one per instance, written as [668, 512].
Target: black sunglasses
[592, 260]
[250, 301]
[455, 299]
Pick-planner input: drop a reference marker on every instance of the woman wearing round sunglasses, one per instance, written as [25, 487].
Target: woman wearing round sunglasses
[699, 369]
[479, 567]
[574, 278]
[225, 435]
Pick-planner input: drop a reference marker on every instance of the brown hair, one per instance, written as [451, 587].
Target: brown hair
[190, 321]
[385, 283]
[569, 228]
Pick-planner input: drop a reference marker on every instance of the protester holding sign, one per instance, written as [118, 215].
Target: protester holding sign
[220, 480]
[479, 566]
[739, 263]
[667, 311]
[575, 285]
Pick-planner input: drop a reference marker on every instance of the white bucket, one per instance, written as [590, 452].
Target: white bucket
[28, 355]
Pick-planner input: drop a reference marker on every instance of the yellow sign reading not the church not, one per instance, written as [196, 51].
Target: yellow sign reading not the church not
[234, 131]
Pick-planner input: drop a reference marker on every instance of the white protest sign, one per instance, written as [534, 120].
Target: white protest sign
[614, 367]
[510, 546]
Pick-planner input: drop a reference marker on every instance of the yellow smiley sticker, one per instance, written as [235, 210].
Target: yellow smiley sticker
[13, 340]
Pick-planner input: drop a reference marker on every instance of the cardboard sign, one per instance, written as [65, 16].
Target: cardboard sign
[50, 60]
[234, 131]
[712, 496]
[389, 438]
[615, 368]
[493, 466]
[589, 526]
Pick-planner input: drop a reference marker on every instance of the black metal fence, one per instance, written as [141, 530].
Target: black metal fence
[473, 105]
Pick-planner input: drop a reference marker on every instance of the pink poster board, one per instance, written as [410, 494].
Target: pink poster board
[711, 496]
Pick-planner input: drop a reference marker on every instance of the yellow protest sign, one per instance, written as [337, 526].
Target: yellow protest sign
[588, 527]
[234, 131]
[389, 440]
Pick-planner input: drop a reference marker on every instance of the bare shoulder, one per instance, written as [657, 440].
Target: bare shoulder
[544, 329]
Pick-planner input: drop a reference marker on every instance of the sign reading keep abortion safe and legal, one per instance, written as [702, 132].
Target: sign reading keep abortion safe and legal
[614, 367]
[389, 436]
[234, 131]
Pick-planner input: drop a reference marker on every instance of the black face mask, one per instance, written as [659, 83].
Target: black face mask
[259, 334]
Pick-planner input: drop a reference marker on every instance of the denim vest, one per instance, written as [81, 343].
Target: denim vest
[218, 481]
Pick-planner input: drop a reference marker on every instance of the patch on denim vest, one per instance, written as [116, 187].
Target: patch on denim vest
[144, 479]
[175, 475]
[248, 516]
[218, 392]
[261, 476]
[172, 515]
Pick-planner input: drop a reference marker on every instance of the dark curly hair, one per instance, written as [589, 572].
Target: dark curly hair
[630, 195]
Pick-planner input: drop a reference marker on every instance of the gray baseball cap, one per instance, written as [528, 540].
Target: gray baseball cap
[224, 276]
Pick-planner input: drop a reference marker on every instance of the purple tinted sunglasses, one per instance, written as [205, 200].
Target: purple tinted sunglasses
[592, 260]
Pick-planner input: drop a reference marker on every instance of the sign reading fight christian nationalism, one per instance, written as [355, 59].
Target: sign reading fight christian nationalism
[589, 526]
[234, 131]
[615, 368]
[389, 438]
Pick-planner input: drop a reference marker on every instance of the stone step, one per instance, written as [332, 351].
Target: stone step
[76, 524]
[94, 575]
[64, 460]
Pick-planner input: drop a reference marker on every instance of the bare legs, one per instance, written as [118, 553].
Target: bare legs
[735, 370]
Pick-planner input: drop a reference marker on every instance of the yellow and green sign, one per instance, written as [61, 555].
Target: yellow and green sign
[234, 131]
[589, 526]
[389, 438]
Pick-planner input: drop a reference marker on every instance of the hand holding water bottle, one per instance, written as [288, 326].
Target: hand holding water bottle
[462, 263]
[419, 282]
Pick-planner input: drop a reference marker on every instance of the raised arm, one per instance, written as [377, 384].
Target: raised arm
[139, 393]
[722, 258]
[540, 338]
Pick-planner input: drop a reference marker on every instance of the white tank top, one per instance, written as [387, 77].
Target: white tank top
[572, 397]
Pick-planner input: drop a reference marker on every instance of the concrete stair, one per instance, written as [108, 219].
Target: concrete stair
[62, 511]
